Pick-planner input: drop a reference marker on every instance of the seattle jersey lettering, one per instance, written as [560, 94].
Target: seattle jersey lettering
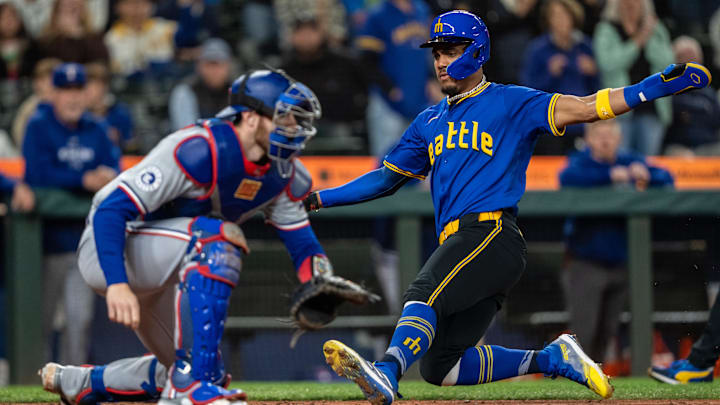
[462, 137]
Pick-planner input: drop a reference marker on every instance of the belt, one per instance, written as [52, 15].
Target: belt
[453, 226]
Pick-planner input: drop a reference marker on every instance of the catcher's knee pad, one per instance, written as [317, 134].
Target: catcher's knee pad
[203, 297]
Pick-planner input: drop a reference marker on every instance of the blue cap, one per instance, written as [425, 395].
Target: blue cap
[69, 75]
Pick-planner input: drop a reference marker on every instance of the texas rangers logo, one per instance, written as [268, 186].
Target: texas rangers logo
[149, 179]
[248, 189]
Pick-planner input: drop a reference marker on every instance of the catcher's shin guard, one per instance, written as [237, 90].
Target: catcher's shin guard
[203, 297]
[127, 380]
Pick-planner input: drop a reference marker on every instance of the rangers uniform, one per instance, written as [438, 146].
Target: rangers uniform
[155, 227]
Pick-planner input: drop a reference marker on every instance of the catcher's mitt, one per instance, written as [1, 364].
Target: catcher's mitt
[314, 303]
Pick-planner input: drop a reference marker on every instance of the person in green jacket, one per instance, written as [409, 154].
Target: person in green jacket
[629, 44]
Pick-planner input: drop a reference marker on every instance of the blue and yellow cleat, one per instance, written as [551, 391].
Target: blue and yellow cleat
[375, 385]
[681, 372]
[567, 359]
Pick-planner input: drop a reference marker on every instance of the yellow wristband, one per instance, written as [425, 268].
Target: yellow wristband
[602, 105]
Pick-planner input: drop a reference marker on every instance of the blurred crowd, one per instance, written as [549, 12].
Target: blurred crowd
[157, 65]
[84, 81]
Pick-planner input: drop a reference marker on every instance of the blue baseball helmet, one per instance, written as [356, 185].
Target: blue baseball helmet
[461, 27]
[291, 105]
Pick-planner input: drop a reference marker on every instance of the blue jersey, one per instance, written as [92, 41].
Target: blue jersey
[396, 36]
[477, 149]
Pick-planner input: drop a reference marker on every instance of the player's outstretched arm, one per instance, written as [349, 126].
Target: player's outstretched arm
[609, 103]
[375, 184]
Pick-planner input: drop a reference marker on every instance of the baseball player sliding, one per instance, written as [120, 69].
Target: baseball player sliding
[476, 143]
[154, 247]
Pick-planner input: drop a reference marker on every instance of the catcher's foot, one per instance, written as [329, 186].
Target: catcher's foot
[375, 385]
[182, 389]
[567, 359]
[50, 376]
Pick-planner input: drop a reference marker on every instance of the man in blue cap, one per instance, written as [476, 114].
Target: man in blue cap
[64, 147]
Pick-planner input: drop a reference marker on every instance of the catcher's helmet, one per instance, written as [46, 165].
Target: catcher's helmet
[291, 105]
[461, 27]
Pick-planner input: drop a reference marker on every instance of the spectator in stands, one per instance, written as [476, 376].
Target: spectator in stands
[69, 36]
[595, 275]
[513, 25]
[13, 43]
[630, 43]
[66, 148]
[36, 14]
[561, 61]
[42, 87]
[106, 107]
[139, 43]
[329, 14]
[197, 21]
[339, 81]
[205, 93]
[389, 43]
[696, 115]
[259, 30]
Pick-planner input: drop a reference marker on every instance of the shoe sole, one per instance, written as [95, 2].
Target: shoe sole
[597, 381]
[662, 378]
[347, 363]
[48, 375]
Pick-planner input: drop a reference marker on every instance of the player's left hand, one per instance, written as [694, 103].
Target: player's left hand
[123, 305]
[314, 304]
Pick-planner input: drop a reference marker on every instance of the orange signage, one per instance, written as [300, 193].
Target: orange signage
[698, 173]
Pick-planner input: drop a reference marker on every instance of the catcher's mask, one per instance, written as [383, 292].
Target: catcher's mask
[291, 105]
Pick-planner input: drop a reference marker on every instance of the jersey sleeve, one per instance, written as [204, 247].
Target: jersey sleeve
[533, 109]
[159, 178]
[410, 156]
[285, 214]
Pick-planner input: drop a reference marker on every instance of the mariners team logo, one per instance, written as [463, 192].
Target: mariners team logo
[149, 178]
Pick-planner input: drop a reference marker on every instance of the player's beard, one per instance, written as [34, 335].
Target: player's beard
[451, 89]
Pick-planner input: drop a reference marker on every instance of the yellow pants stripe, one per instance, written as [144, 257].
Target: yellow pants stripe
[422, 321]
[416, 326]
[466, 260]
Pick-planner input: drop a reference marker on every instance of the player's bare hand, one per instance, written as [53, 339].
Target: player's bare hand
[586, 65]
[620, 174]
[23, 198]
[557, 63]
[123, 305]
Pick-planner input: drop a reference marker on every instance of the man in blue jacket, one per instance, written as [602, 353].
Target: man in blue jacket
[595, 276]
[64, 147]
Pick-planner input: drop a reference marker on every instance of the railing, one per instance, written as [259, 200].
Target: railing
[24, 259]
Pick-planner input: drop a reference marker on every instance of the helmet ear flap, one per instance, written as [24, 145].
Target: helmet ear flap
[468, 63]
